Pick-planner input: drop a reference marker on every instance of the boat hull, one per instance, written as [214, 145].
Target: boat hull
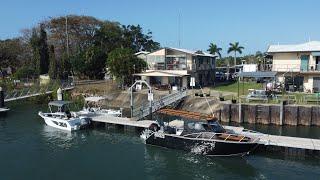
[204, 147]
[67, 125]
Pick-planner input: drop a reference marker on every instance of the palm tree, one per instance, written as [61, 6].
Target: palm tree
[234, 47]
[214, 49]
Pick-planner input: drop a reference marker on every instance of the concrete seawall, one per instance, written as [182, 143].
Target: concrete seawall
[270, 114]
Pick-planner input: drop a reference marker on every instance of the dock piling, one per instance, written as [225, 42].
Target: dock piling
[1, 98]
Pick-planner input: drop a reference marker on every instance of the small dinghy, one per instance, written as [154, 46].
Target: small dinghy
[93, 107]
[63, 118]
[200, 141]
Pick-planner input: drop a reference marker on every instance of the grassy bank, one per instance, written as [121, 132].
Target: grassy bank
[233, 87]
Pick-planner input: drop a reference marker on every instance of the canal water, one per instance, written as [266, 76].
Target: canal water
[31, 150]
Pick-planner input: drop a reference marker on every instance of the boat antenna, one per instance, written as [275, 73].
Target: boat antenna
[179, 29]
[207, 101]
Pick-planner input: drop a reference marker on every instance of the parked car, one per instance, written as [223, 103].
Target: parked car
[220, 76]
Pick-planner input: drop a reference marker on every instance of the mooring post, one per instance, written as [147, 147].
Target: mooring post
[281, 113]
[59, 94]
[240, 113]
[1, 98]
[131, 102]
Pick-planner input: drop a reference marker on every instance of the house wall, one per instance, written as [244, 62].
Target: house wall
[160, 52]
[283, 62]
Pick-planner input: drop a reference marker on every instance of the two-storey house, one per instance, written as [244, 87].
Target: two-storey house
[175, 67]
[297, 63]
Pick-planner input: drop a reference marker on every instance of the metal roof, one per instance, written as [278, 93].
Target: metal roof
[163, 73]
[258, 74]
[311, 46]
[197, 53]
[59, 103]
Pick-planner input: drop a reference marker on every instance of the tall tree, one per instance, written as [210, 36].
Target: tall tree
[34, 43]
[234, 47]
[122, 63]
[214, 49]
[135, 39]
[53, 67]
[43, 51]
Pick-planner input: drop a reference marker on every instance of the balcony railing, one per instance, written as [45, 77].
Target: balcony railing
[296, 68]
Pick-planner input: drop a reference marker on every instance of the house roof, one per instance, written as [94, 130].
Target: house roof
[196, 53]
[311, 46]
[142, 52]
[163, 73]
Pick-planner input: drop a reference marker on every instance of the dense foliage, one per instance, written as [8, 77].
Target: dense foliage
[72, 45]
[122, 63]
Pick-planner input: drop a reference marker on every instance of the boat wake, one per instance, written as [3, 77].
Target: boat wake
[203, 148]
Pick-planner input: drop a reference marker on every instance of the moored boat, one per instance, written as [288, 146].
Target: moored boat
[92, 107]
[64, 119]
[201, 142]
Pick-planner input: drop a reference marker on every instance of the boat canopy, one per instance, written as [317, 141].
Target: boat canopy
[94, 99]
[59, 103]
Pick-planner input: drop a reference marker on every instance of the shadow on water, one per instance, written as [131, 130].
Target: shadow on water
[192, 166]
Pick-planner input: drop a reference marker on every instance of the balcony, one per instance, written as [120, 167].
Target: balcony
[296, 68]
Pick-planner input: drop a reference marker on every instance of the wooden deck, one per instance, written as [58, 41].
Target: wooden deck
[123, 121]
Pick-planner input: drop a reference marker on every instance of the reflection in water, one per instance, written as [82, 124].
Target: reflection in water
[191, 166]
[59, 138]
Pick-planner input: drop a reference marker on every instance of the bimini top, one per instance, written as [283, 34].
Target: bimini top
[59, 103]
[94, 99]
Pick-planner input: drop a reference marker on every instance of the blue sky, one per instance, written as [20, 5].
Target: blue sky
[254, 23]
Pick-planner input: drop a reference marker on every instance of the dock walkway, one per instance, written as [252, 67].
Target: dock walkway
[291, 142]
[123, 121]
[265, 139]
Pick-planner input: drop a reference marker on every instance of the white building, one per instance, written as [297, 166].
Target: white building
[175, 67]
[299, 63]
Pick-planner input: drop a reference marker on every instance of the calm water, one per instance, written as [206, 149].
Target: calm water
[31, 150]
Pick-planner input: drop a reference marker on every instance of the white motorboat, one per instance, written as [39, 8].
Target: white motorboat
[93, 107]
[63, 118]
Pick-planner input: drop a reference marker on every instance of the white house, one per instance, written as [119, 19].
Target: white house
[300, 63]
[175, 67]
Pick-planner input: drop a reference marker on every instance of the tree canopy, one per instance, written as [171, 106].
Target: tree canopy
[72, 44]
[122, 63]
[214, 49]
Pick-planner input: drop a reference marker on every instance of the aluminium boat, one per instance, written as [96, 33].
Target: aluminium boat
[93, 107]
[64, 119]
[205, 142]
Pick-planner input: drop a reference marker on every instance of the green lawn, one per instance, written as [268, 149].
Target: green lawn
[233, 87]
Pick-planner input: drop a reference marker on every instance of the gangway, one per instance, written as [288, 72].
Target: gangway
[144, 110]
